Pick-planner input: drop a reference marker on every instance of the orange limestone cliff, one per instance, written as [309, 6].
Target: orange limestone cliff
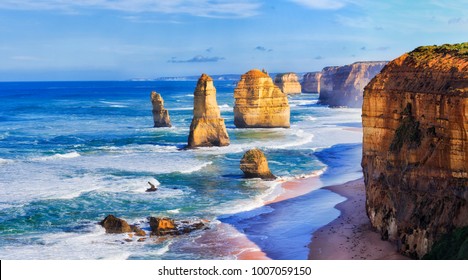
[415, 147]
[160, 115]
[259, 103]
[288, 83]
[344, 85]
[207, 128]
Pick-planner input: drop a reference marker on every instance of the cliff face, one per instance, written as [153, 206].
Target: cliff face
[288, 83]
[344, 85]
[160, 115]
[207, 128]
[415, 147]
[259, 103]
[311, 82]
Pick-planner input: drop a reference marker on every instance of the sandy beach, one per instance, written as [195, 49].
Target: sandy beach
[350, 236]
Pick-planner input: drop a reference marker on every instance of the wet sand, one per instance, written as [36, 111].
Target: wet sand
[350, 236]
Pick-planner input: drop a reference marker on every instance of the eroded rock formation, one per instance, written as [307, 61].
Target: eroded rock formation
[415, 147]
[207, 128]
[311, 82]
[288, 83]
[344, 85]
[259, 103]
[255, 165]
[160, 115]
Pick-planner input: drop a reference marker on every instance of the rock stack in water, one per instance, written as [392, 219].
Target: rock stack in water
[415, 147]
[259, 103]
[344, 85]
[255, 165]
[311, 82]
[160, 115]
[288, 83]
[207, 128]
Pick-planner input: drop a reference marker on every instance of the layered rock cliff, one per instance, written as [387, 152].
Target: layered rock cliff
[259, 103]
[344, 85]
[207, 127]
[160, 114]
[288, 83]
[415, 147]
[311, 82]
[255, 165]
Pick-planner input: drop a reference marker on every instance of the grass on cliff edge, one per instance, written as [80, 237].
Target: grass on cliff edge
[460, 50]
[453, 246]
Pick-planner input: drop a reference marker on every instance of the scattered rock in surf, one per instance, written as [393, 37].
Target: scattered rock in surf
[255, 165]
[141, 239]
[113, 224]
[138, 231]
[166, 226]
[152, 188]
[162, 226]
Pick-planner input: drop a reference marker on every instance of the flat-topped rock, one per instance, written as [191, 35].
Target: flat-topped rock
[288, 83]
[259, 102]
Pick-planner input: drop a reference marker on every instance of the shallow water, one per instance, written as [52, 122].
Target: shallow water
[73, 152]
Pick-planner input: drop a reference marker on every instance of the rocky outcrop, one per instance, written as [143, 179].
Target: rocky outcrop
[415, 147]
[207, 128]
[259, 103]
[311, 82]
[113, 224]
[166, 226]
[288, 83]
[344, 85]
[255, 165]
[160, 115]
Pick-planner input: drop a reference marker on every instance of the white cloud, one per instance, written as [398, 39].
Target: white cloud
[356, 22]
[322, 4]
[202, 8]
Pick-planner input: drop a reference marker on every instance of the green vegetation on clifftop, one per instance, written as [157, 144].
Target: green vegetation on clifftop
[453, 246]
[427, 52]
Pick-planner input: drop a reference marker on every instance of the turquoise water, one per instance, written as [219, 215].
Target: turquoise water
[73, 152]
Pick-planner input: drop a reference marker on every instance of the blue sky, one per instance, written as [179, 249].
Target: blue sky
[121, 39]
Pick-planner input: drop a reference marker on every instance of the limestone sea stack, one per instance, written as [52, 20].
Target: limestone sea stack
[311, 82]
[259, 103]
[344, 85]
[160, 115]
[207, 128]
[288, 83]
[255, 165]
[415, 147]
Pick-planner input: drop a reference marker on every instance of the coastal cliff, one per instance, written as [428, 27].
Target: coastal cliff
[207, 127]
[344, 85]
[259, 103]
[415, 147]
[288, 83]
[311, 82]
[160, 115]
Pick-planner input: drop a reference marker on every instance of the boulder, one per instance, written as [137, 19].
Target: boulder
[115, 225]
[254, 165]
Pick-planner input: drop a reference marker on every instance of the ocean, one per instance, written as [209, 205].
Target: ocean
[73, 152]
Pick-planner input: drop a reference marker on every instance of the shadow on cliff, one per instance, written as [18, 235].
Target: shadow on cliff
[283, 229]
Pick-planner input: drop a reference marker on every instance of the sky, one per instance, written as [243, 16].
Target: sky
[128, 39]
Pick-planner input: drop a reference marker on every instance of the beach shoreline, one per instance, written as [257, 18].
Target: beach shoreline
[350, 236]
